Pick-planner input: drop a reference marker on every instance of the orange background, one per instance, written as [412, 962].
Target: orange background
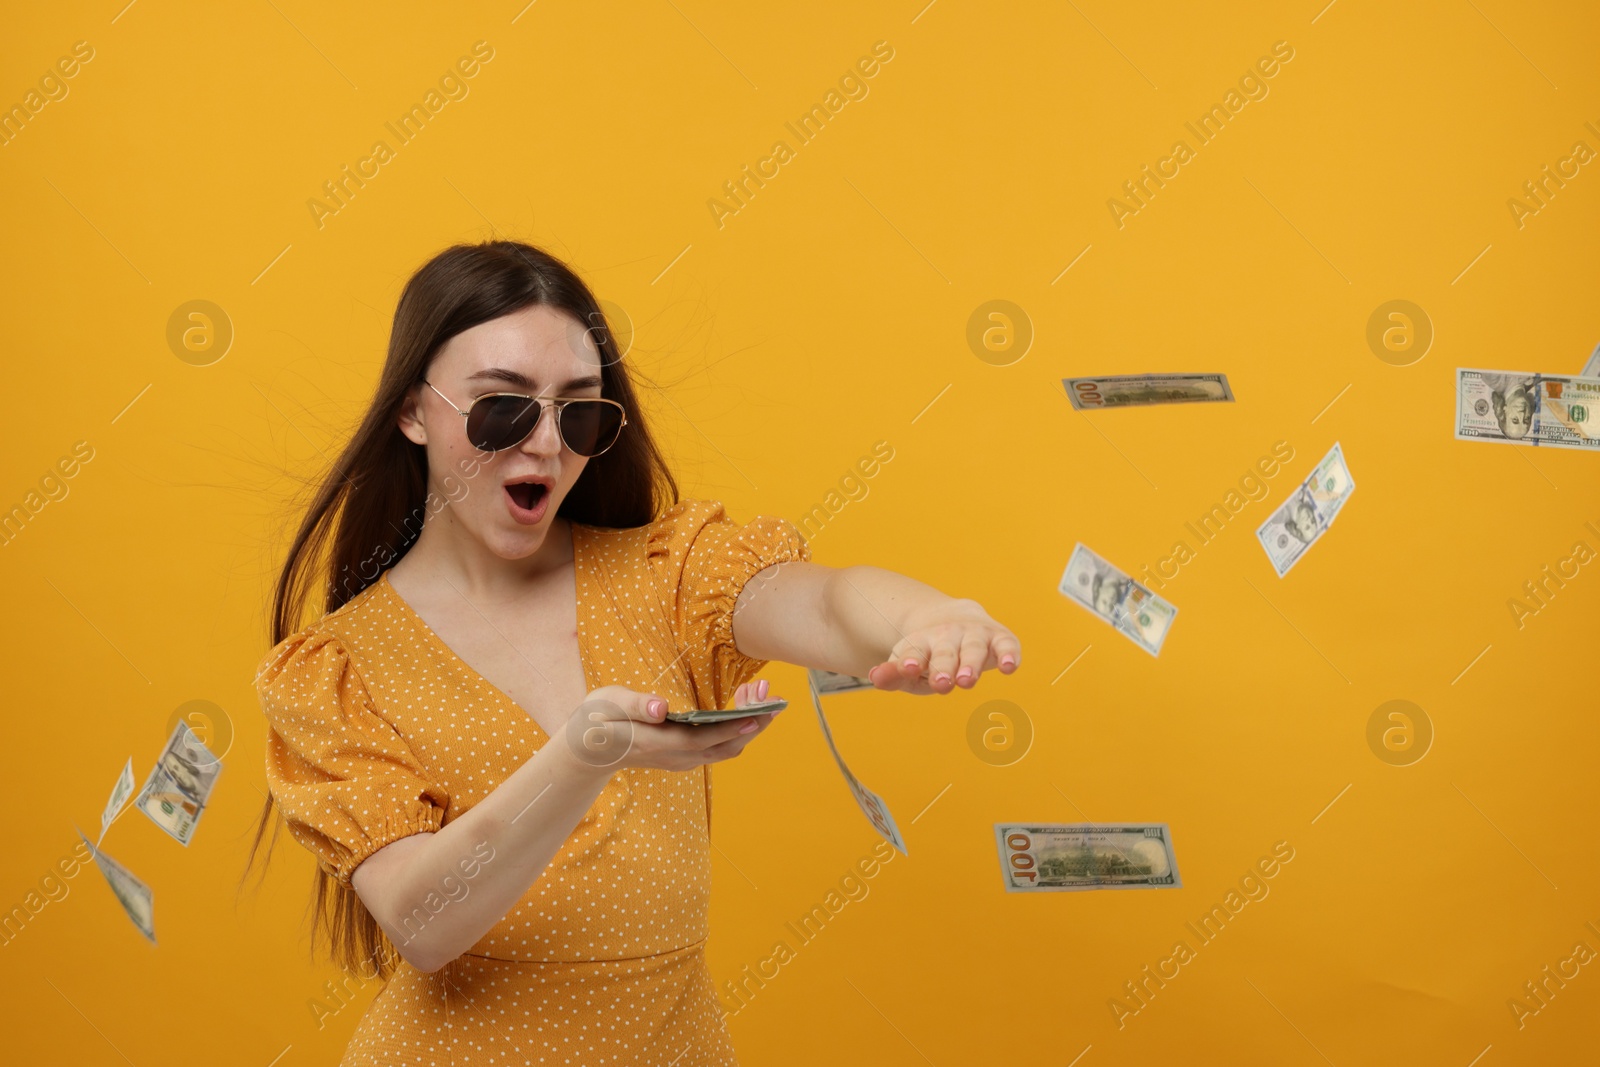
[829, 313]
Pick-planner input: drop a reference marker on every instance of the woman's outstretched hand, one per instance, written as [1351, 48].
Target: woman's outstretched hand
[947, 646]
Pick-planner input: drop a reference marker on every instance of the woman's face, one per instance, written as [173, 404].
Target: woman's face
[539, 351]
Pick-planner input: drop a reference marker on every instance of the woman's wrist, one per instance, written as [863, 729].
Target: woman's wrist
[874, 607]
[585, 755]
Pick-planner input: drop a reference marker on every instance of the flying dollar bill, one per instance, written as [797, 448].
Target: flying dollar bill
[134, 896]
[175, 794]
[1302, 519]
[1135, 390]
[870, 803]
[826, 682]
[1056, 857]
[1134, 611]
[119, 796]
[1591, 369]
[1521, 408]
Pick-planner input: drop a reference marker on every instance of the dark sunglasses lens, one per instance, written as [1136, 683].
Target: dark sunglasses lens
[498, 422]
[589, 427]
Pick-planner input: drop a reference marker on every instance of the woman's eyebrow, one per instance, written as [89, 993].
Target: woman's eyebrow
[522, 381]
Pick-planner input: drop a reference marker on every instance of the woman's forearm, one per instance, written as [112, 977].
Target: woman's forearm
[438, 894]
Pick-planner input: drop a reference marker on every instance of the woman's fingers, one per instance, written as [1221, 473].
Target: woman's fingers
[905, 664]
[730, 747]
[645, 707]
[884, 676]
[604, 733]
[956, 659]
[974, 658]
[910, 656]
[1007, 651]
[942, 664]
[699, 738]
[620, 702]
[750, 693]
[713, 744]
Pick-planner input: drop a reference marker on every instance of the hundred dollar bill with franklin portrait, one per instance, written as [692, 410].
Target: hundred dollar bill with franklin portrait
[175, 794]
[1522, 408]
[1132, 610]
[1301, 520]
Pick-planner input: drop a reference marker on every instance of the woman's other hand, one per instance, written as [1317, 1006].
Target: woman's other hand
[619, 727]
[750, 693]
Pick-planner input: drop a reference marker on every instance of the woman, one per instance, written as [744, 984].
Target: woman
[472, 741]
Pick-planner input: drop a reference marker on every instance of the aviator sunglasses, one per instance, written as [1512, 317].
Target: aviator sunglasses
[497, 421]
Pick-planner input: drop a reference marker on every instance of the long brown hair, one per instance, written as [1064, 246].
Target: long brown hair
[367, 509]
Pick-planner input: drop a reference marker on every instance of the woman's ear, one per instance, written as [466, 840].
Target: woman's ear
[410, 417]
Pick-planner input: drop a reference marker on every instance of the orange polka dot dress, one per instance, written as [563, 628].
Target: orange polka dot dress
[377, 730]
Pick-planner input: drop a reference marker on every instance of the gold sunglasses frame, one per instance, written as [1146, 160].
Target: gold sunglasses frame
[557, 403]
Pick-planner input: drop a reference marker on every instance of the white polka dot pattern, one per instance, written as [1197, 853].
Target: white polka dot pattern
[377, 730]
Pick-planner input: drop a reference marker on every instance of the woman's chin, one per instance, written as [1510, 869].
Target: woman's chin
[513, 542]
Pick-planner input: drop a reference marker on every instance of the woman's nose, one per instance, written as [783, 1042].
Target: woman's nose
[545, 440]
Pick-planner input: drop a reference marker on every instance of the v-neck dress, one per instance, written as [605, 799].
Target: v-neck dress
[377, 730]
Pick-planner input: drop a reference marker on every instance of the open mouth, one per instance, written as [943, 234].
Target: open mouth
[527, 495]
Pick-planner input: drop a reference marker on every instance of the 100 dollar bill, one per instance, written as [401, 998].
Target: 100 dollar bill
[119, 796]
[134, 896]
[1520, 408]
[1057, 857]
[175, 794]
[1135, 612]
[1136, 390]
[870, 803]
[1302, 519]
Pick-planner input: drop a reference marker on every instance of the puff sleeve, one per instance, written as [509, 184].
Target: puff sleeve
[346, 781]
[700, 559]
